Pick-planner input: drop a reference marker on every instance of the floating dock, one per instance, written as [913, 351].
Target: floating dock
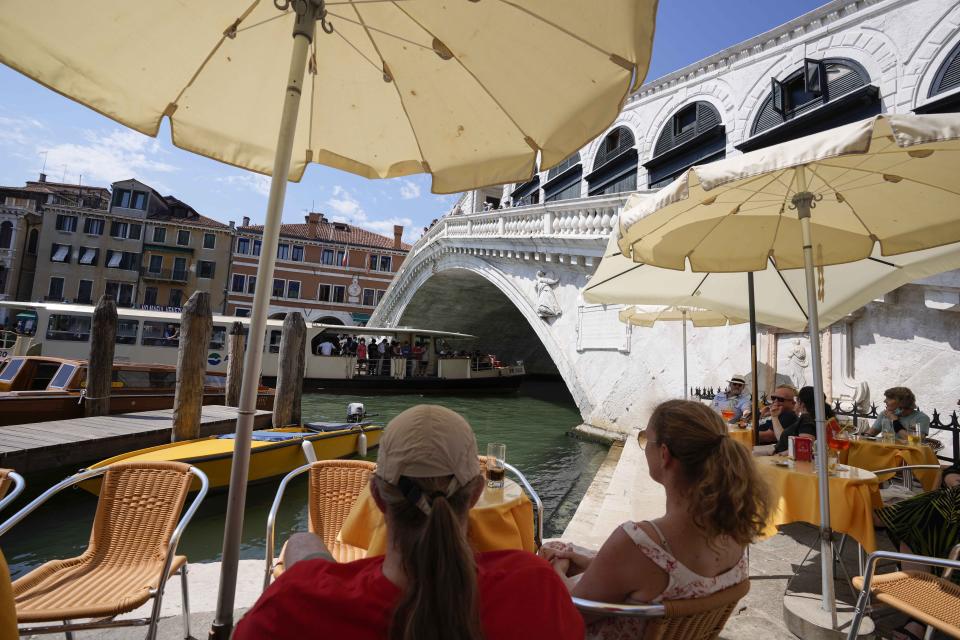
[39, 446]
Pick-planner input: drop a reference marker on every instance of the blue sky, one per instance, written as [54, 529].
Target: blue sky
[37, 124]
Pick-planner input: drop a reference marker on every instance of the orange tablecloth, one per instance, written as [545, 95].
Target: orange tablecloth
[874, 454]
[743, 436]
[854, 494]
[501, 519]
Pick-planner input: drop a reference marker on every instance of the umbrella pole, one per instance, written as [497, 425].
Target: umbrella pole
[754, 386]
[303, 30]
[685, 388]
[803, 200]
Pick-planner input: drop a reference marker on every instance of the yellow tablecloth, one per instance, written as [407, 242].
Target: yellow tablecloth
[743, 436]
[501, 519]
[874, 454]
[854, 494]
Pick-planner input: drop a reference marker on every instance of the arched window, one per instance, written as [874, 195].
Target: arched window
[32, 239]
[615, 167]
[820, 95]
[693, 135]
[6, 235]
[526, 193]
[946, 81]
[563, 181]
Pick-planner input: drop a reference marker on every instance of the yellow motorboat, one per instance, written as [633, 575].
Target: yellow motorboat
[273, 452]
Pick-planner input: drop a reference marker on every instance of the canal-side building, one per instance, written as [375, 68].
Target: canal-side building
[89, 245]
[332, 272]
[183, 252]
[20, 220]
[844, 61]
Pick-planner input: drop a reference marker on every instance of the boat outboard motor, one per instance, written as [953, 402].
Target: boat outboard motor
[356, 412]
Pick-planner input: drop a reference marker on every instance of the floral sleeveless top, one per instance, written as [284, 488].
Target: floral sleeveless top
[683, 583]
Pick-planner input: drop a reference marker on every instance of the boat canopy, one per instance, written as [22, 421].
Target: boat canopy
[173, 316]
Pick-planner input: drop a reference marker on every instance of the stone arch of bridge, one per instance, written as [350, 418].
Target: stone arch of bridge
[464, 292]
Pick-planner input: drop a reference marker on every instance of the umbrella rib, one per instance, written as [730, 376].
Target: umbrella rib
[845, 201]
[368, 28]
[210, 55]
[527, 138]
[789, 290]
[622, 273]
[359, 53]
[563, 30]
[403, 105]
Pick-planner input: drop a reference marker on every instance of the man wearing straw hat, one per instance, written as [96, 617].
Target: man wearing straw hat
[733, 399]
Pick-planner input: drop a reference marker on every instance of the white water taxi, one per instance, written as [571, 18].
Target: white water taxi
[63, 331]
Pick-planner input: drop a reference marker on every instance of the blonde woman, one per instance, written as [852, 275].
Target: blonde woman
[716, 505]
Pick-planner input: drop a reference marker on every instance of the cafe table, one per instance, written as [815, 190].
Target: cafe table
[854, 494]
[743, 436]
[875, 454]
[501, 519]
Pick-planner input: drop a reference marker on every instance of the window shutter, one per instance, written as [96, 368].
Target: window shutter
[814, 73]
[777, 95]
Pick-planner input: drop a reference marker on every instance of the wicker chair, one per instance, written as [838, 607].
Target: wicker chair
[334, 486]
[11, 485]
[694, 619]
[929, 599]
[132, 551]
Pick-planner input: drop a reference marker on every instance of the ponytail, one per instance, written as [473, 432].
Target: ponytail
[726, 495]
[440, 600]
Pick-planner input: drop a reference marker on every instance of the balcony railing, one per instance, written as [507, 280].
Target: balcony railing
[170, 275]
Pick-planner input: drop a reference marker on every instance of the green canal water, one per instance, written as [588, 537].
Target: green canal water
[534, 424]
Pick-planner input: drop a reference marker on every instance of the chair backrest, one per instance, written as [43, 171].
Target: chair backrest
[139, 507]
[334, 488]
[696, 618]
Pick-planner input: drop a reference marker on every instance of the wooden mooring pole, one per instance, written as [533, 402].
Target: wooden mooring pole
[235, 354]
[103, 335]
[196, 324]
[290, 363]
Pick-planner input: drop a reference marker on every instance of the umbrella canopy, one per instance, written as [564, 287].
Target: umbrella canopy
[780, 294]
[470, 92]
[647, 316]
[466, 91]
[890, 181]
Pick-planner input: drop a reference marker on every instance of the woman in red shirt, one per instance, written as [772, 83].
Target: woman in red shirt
[430, 585]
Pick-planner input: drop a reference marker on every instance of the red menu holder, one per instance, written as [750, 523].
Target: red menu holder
[803, 449]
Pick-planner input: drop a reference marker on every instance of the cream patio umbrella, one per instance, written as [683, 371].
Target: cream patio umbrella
[648, 316]
[470, 92]
[826, 199]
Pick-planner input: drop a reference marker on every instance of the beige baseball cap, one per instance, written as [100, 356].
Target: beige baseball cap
[427, 441]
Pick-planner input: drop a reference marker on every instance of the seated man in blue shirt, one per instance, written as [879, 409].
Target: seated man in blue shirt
[733, 399]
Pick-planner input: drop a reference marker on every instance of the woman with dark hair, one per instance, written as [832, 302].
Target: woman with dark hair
[804, 426]
[430, 585]
[717, 504]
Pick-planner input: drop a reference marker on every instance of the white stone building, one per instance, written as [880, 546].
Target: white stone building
[845, 61]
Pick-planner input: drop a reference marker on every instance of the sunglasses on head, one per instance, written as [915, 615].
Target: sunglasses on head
[780, 399]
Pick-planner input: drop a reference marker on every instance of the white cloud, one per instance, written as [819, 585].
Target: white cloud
[120, 154]
[348, 209]
[409, 190]
[255, 182]
[18, 131]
